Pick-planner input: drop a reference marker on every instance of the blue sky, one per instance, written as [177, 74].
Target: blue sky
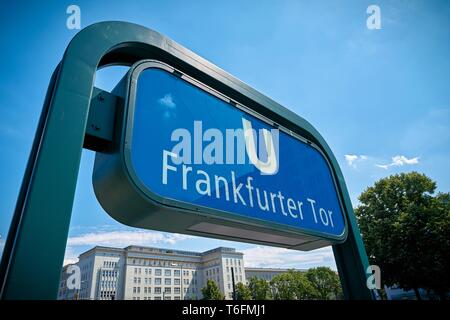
[381, 98]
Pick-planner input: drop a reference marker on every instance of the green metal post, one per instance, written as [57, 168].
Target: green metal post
[351, 257]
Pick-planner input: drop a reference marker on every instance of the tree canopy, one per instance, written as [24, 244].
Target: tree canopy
[211, 291]
[318, 283]
[259, 288]
[325, 282]
[243, 292]
[292, 285]
[406, 231]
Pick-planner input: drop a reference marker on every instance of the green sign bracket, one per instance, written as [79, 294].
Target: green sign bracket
[34, 249]
[100, 127]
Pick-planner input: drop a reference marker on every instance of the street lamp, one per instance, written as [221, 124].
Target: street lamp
[181, 276]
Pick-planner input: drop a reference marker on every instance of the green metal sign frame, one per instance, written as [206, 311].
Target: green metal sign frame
[114, 174]
[34, 249]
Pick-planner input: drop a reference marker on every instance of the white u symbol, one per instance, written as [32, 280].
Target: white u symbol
[270, 166]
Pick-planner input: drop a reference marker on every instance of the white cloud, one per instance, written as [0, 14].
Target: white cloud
[262, 256]
[167, 101]
[70, 256]
[401, 160]
[352, 159]
[125, 238]
[118, 239]
[398, 161]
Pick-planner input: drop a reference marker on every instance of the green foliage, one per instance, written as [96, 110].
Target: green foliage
[325, 281]
[406, 231]
[436, 239]
[292, 285]
[259, 289]
[243, 292]
[211, 291]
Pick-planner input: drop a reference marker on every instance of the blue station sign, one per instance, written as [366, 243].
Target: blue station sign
[196, 162]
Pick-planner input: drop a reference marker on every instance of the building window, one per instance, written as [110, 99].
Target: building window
[167, 281]
[176, 290]
[157, 281]
[167, 290]
[157, 291]
[176, 273]
[167, 272]
[157, 298]
[176, 281]
[158, 272]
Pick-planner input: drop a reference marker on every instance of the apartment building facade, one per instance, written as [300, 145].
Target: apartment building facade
[146, 273]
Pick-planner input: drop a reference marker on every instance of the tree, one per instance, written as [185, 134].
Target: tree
[437, 238]
[292, 285]
[243, 292]
[406, 232]
[282, 286]
[325, 281]
[259, 289]
[211, 291]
